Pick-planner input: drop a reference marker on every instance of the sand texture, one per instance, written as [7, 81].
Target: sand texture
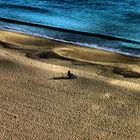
[37, 102]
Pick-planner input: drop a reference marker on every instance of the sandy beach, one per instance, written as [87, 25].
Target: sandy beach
[37, 102]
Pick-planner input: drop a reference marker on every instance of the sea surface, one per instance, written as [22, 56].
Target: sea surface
[105, 24]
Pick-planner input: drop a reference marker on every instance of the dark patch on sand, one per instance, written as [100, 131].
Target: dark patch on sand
[125, 72]
[5, 45]
[51, 55]
[60, 78]
[7, 64]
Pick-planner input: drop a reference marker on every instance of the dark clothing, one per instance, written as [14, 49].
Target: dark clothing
[70, 75]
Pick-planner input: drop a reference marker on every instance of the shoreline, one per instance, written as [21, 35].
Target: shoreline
[76, 43]
[102, 36]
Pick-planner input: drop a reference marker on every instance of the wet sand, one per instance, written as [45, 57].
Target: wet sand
[38, 102]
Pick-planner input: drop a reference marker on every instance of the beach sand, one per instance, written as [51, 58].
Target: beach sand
[37, 102]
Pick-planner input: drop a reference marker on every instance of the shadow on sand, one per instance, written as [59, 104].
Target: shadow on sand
[60, 78]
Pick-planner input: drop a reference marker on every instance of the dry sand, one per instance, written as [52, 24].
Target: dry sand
[38, 103]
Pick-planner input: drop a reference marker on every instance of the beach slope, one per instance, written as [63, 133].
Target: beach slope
[37, 101]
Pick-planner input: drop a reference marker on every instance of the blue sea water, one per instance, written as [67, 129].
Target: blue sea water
[112, 24]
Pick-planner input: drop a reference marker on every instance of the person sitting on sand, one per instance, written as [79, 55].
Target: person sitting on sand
[71, 75]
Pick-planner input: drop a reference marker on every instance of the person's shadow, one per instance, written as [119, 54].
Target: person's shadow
[60, 78]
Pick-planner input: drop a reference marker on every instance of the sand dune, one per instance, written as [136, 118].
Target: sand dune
[37, 103]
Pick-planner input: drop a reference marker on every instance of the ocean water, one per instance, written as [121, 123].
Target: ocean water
[105, 24]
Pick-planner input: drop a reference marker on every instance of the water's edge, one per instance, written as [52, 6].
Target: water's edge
[74, 43]
[98, 41]
[102, 36]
